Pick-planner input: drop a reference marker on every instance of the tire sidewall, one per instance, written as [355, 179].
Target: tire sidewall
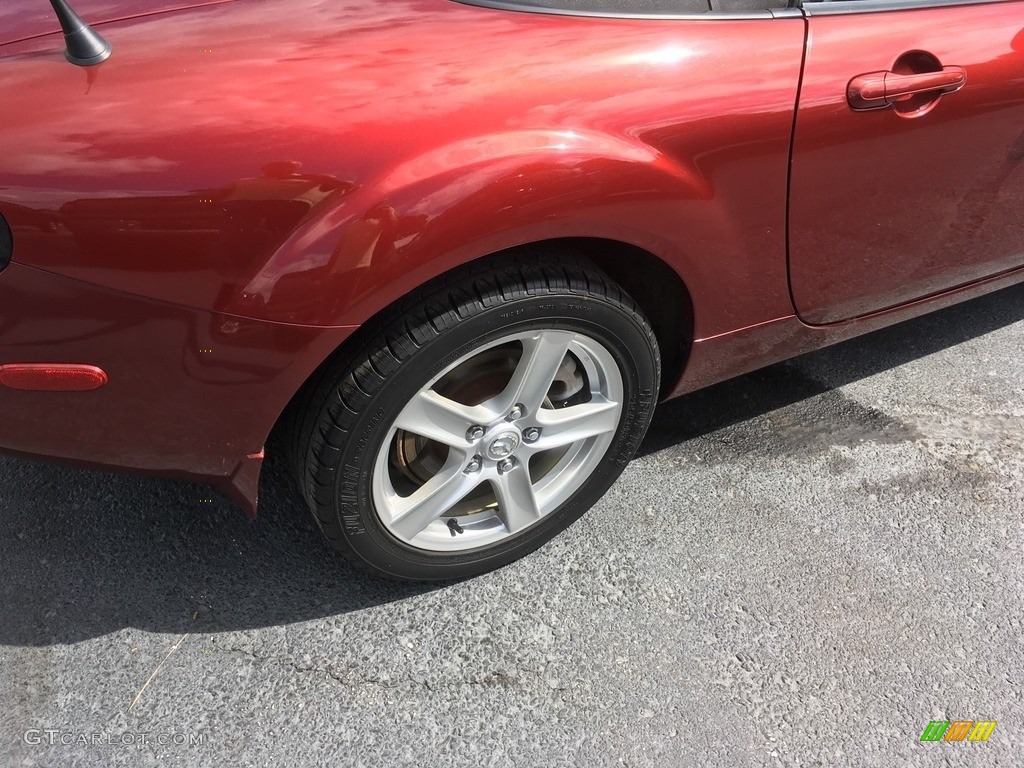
[622, 334]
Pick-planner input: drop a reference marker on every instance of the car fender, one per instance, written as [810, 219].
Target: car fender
[434, 212]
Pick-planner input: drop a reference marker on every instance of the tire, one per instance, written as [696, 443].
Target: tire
[478, 420]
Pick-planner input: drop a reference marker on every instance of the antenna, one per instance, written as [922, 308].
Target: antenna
[85, 46]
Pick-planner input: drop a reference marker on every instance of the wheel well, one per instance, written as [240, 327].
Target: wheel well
[655, 286]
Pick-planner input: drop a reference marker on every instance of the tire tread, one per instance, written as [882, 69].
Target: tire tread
[326, 410]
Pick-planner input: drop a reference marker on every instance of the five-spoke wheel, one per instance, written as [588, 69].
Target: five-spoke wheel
[468, 464]
[469, 431]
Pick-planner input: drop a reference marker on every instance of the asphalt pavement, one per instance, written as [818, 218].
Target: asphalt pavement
[803, 567]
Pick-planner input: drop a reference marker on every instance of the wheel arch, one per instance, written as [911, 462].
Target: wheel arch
[654, 285]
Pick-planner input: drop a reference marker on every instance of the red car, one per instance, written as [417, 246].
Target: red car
[457, 251]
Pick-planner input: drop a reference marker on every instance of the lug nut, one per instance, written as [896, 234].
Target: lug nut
[474, 465]
[515, 413]
[506, 465]
[531, 435]
[475, 433]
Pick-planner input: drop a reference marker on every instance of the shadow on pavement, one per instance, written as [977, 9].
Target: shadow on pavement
[778, 386]
[86, 553]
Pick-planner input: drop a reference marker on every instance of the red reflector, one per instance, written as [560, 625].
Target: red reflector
[52, 377]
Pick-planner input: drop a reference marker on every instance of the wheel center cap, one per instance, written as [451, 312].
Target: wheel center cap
[503, 446]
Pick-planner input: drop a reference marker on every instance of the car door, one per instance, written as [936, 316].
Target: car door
[907, 176]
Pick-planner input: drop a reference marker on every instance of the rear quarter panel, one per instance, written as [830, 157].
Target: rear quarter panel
[211, 211]
[312, 162]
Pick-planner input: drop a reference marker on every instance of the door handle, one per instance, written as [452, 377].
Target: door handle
[877, 90]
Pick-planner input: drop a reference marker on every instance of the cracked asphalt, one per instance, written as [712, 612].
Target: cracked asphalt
[803, 567]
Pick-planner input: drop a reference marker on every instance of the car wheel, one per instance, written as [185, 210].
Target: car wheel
[479, 421]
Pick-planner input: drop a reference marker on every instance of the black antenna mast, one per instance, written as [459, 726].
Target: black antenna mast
[85, 46]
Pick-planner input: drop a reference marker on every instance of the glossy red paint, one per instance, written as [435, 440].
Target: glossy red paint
[878, 90]
[890, 205]
[191, 393]
[732, 354]
[317, 174]
[25, 20]
[212, 211]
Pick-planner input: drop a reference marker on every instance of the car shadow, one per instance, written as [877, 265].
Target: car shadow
[816, 373]
[85, 553]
